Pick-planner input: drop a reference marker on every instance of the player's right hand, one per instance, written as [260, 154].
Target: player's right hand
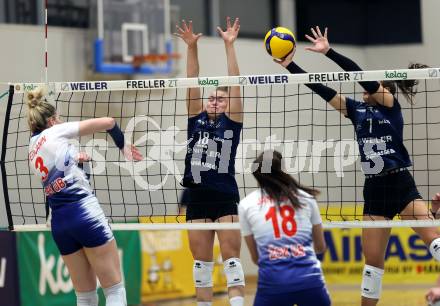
[186, 33]
[132, 153]
[287, 60]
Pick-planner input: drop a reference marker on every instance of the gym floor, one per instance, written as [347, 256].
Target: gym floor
[392, 295]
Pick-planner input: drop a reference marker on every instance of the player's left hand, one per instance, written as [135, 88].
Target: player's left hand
[231, 33]
[433, 295]
[132, 153]
[319, 41]
[82, 157]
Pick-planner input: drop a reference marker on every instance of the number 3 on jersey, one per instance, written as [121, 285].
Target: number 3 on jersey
[39, 165]
[288, 224]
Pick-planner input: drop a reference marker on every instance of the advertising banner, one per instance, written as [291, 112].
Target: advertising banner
[407, 259]
[9, 291]
[168, 266]
[45, 281]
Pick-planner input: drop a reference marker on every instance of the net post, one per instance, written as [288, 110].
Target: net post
[2, 160]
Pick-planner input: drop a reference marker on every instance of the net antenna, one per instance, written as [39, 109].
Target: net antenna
[45, 44]
[131, 28]
[318, 145]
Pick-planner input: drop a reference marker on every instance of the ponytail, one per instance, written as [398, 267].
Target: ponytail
[39, 110]
[406, 87]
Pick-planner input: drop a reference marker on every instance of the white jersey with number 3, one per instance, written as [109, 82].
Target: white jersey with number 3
[53, 159]
[286, 258]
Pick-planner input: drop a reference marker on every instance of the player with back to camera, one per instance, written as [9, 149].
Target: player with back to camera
[389, 187]
[211, 193]
[282, 228]
[79, 226]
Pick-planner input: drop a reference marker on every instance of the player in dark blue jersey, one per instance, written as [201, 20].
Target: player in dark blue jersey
[389, 187]
[211, 193]
[79, 226]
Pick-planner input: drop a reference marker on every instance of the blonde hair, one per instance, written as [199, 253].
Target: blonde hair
[223, 88]
[39, 110]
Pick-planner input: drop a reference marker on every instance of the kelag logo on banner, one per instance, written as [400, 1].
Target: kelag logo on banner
[45, 281]
[8, 270]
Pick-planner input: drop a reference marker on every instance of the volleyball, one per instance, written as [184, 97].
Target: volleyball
[279, 42]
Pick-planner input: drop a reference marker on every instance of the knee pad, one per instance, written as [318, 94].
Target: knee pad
[236, 301]
[202, 273]
[371, 282]
[234, 272]
[89, 298]
[434, 249]
[115, 295]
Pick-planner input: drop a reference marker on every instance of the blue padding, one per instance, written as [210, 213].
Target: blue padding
[102, 67]
[99, 54]
[285, 36]
[272, 33]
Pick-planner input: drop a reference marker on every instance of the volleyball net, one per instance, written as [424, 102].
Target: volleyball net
[318, 144]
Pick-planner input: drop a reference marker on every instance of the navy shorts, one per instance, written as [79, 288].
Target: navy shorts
[310, 297]
[389, 194]
[79, 225]
[204, 203]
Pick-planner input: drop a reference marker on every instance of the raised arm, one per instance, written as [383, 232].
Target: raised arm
[90, 126]
[235, 107]
[328, 94]
[194, 103]
[321, 45]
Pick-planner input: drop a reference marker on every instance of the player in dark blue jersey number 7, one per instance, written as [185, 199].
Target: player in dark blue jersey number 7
[389, 187]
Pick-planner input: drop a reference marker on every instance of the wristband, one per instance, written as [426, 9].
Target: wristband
[348, 65]
[117, 136]
[324, 92]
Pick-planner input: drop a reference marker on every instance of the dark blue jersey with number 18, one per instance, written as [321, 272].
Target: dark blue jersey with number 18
[210, 158]
[379, 133]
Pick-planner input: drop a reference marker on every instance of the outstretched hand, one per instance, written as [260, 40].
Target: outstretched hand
[319, 41]
[132, 153]
[287, 60]
[186, 33]
[231, 33]
[436, 203]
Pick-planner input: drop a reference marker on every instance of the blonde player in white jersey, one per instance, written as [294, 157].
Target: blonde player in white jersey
[282, 228]
[79, 226]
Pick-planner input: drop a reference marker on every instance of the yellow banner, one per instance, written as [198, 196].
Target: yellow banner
[407, 259]
[167, 266]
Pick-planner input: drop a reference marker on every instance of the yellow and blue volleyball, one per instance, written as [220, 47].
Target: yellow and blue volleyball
[279, 42]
